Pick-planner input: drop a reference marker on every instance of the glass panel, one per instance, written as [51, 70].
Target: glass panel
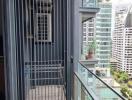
[96, 87]
[80, 92]
[89, 3]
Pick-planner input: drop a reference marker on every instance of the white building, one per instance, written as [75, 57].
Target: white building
[88, 35]
[122, 38]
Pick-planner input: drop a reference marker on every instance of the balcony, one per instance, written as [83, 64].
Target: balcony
[88, 8]
[44, 82]
[88, 86]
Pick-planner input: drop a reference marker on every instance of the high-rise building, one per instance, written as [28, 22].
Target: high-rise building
[103, 33]
[88, 35]
[122, 38]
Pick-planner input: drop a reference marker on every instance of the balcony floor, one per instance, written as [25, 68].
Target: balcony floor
[47, 92]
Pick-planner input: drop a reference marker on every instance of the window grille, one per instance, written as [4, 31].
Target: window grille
[44, 20]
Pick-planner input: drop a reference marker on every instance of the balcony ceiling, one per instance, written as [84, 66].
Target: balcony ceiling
[88, 13]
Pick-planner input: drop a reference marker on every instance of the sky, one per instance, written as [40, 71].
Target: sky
[117, 2]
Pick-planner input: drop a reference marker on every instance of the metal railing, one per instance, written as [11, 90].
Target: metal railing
[88, 86]
[44, 81]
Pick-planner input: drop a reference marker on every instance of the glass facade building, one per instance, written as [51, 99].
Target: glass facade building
[103, 33]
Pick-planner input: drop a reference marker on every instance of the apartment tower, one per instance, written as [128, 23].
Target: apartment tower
[88, 35]
[122, 38]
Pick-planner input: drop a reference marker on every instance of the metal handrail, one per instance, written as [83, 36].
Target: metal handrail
[103, 82]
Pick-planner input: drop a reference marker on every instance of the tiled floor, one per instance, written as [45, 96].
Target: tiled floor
[48, 92]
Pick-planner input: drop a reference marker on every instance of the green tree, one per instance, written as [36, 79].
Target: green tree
[129, 84]
[124, 77]
[124, 90]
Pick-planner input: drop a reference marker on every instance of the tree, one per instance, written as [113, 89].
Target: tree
[124, 77]
[129, 84]
[124, 90]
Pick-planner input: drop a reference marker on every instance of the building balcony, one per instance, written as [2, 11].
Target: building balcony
[88, 9]
[88, 86]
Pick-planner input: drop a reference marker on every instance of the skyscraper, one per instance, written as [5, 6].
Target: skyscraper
[103, 33]
[122, 43]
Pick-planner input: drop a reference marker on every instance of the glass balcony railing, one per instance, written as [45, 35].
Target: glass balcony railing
[88, 86]
[89, 3]
[80, 91]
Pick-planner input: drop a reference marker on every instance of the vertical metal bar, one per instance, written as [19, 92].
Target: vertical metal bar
[64, 25]
[41, 34]
[68, 87]
[34, 44]
[19, 50]
[37, 63]
[48, 54]
[12, 48]
[35, 36]
[4, 45]
[44, 48]
[61, 70]
[30, 51]
[50, 63]
[43, 37]
[20, 53]
[45, 74]
[23, 51]
[57, 44]
[59, 48]
[54, 51]
[17, 30]
[26, 47]
[51, 54]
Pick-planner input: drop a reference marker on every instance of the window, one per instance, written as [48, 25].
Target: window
[90, 39]
[104, 15]
[91, 29]
[104, 20]
[84, 24]
[104, 52]
[84, 38]
[105, 34]
[104, 29]
[105, 6]
[90, 34]
[104, 61]
[104, 48]
[91, 25]
[104, 24]
[106, 10]
[44, 21]
[84, 34]
[84, 29]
